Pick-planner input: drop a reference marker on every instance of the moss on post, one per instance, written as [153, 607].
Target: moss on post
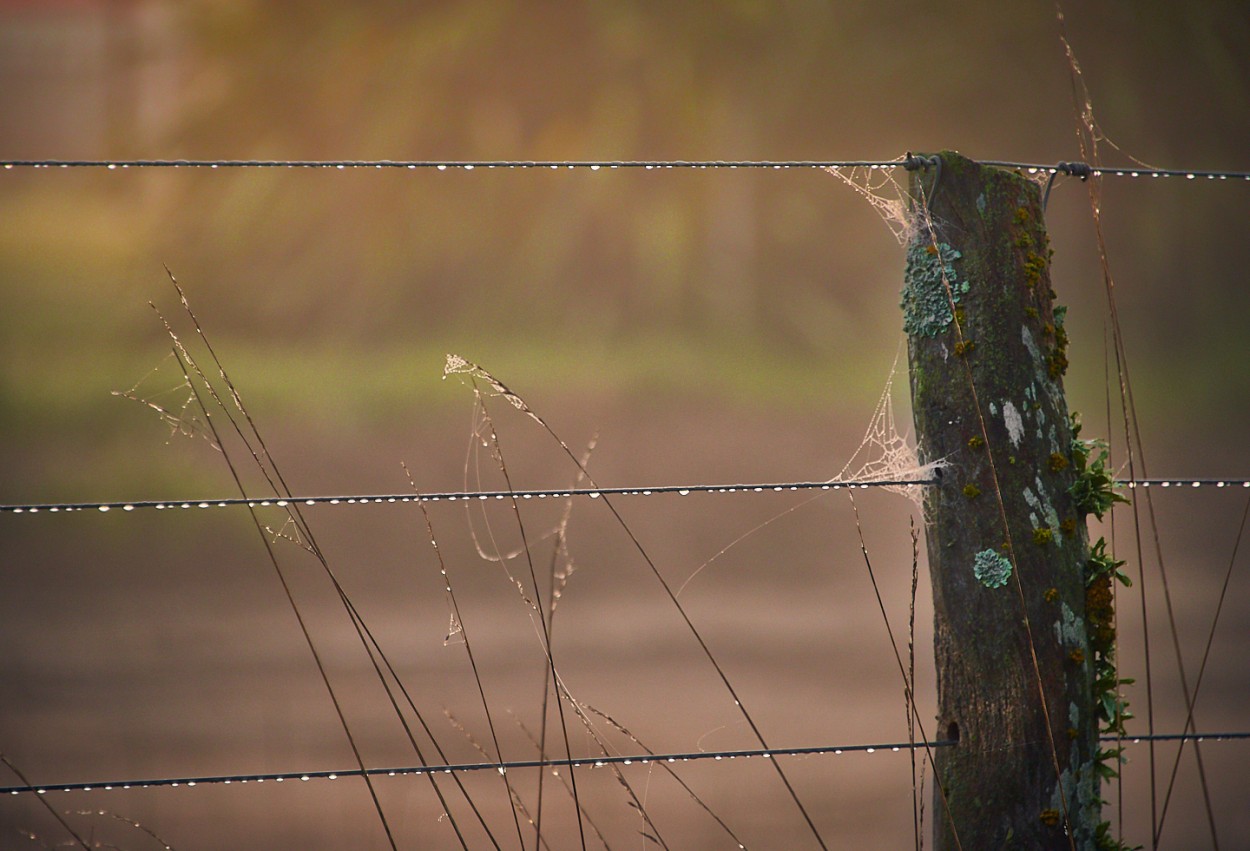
[979, 313]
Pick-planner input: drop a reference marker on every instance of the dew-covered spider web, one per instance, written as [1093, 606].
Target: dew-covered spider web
[883, 192]
[885, 454]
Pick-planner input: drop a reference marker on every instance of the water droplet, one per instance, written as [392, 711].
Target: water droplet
[871, 750]
[594, 495]
[104, 508]
[442, 167]
[684, 492]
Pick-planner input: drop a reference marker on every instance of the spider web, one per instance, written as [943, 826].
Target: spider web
[884, 453]
[883, 192]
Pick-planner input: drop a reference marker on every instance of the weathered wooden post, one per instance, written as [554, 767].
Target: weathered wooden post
[1006, 543]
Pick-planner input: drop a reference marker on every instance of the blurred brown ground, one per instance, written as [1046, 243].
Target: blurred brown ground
[709, 326]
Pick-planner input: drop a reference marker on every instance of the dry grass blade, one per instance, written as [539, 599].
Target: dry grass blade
[143, 828]
[458, 621]
[518, 805]
[563, 781]
[44, 802]
[496, 450]
[623, 730]
[1089, 134]
[458, 365]
[908, 679]
[264, 462]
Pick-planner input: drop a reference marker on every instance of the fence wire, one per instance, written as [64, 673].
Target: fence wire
[585, 762]
[1072, 168]
[592, 493]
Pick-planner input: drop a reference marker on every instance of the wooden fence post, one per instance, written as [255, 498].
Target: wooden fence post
[1006, 543]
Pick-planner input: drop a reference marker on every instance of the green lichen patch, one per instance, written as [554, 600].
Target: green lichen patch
[926, 302]
[991, 569]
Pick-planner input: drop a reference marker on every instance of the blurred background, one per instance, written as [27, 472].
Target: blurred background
[707, 326]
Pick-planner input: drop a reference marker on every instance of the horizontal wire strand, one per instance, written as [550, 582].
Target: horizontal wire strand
[453, 496]
[1075, 169]
[585, 762]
